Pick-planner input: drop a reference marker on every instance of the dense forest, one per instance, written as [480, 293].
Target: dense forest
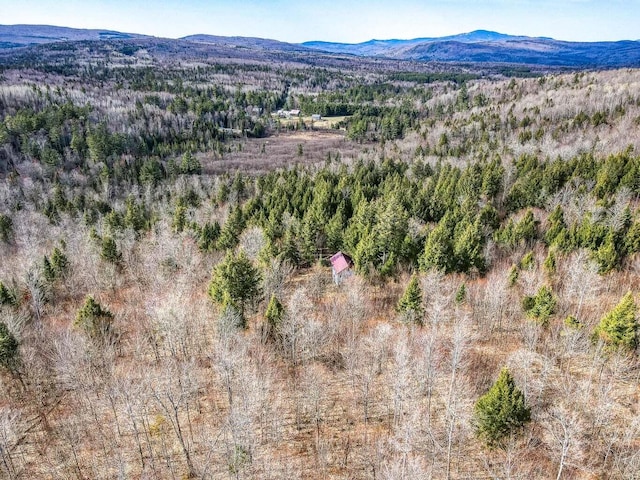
[167, 307]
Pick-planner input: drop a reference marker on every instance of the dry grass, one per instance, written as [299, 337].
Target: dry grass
[283, 151]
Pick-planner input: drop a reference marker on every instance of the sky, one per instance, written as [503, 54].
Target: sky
[338, 20]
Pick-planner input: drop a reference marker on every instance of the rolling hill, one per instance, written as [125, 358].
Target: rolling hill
[12, 36]
[483, 46]
[478, 47]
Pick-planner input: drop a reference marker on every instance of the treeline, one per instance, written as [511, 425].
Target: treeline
[61, 135]
[392, 216]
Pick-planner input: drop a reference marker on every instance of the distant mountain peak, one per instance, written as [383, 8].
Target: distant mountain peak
[24, 35]
[478, 46]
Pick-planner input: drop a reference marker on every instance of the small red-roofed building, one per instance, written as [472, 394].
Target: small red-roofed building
[341, 266]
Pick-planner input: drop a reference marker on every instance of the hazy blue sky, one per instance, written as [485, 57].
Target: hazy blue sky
[338, 20]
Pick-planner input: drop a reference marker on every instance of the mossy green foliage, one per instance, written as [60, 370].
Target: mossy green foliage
[410, 304]
[94, 320]
[632, 239]
[501, 412]
[454, 245]
[618, 329]
[540, 306]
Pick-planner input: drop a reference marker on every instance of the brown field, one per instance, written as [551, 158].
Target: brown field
[259, 155]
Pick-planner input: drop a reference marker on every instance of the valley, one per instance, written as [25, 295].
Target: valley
[168, 307]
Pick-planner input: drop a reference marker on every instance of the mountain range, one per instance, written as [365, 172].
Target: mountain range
[13, 36]
[480, 46]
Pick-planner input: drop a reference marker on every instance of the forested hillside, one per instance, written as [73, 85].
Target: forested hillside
[167, 308]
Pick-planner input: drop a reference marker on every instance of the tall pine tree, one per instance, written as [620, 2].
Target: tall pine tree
[500, 412]
[618, 329]
[410, 304]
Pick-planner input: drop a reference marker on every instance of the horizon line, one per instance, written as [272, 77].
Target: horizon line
[315, 41]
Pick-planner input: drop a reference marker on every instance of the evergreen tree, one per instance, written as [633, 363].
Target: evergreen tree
[109, 251]
[461, 294]
[151, 172]
[556, 227]
[274, 316]
[289, 249]
[390, 230]
[230, 234]
[179, 218]
[606, 256]
[550, 263]
[59, 262]
[78, 142]
[100, 143]
[514, 274]
[528, 261]
[527, 228]
[632, 239]
[572, 322]
[619, 327]
[7, 296]
[135, 216]
[235, 282]
[94, 320]
[190, 165]
[8, 348]
[501, 412]
[47, 270]
[335, 229]
[308, 241]
[207, 236]
[541, 306]
[364, 256]
[410, 304]
[438, 250]
[6, 228]
[468, 248]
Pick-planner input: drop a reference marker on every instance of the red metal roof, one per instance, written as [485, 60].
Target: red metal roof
[340, 262]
